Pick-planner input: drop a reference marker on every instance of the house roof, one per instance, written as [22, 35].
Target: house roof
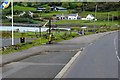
[67, 15]
[40, 8]
[62, 15]
[60, 8]
[72, 15]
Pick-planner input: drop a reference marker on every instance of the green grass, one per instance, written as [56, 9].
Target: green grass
[58, 37]
[54, 13]
[99, 14]
[85, 22]
[44, 5]
[21, 8]
[26, 46]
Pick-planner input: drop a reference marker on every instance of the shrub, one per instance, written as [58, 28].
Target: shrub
[76, 29]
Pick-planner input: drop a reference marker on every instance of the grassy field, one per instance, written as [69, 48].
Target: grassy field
[99, 15]
[55, 13]
[21, 8]
[85, 22]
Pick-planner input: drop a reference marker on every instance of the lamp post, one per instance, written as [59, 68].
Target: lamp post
[12, 22]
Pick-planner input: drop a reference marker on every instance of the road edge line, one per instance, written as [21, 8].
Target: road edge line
[67, 66]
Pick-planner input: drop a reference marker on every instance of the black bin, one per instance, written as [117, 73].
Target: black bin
[22, 40]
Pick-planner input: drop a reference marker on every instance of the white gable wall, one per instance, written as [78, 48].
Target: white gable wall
[89, 17]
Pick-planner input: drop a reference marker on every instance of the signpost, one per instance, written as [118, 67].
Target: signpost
[83, 30]
[50, 31]
[40, 35]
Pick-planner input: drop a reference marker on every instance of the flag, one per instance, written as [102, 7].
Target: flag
[5, 4]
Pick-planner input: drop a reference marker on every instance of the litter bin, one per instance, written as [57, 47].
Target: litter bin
[22, 40]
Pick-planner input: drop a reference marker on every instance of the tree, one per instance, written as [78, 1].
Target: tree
[48, 8]
[26, 15]
[65, 5]
[29, 4]
[79, 5]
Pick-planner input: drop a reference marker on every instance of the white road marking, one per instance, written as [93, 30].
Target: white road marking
[67, 66]
[118, 58]
[115, 45]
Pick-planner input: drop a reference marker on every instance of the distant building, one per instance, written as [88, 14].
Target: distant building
[9, 17]
[52, 9]
[60, 9]
[41, 9]
[21, 14]
[89, 17]
[30, 13]
[68, 17]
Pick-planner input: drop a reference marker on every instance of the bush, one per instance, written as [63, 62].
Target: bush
[76, 29]
[60, 29]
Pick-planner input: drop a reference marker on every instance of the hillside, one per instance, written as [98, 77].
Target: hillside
[82, 8]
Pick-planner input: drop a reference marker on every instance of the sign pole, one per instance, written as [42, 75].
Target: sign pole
[40, 35]
[49, 30]
[12, 22]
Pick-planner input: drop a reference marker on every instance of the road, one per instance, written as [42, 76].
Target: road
[49, 63]
[98, 60]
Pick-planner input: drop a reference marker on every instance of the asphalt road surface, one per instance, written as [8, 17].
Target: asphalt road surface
[98, 60]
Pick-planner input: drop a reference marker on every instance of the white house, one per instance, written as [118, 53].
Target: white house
[21, 14]
[68, 17]
[31, 13]
[60, 9]
[52, 9]
[89, 17]
[9, 17]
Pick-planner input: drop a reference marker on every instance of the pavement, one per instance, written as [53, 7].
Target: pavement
[44, 61]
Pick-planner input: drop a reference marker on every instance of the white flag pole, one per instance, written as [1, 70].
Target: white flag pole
[12, 22]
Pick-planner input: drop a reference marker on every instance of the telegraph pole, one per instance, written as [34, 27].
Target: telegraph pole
[108, 19]
[112, 19]
[95, 15]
